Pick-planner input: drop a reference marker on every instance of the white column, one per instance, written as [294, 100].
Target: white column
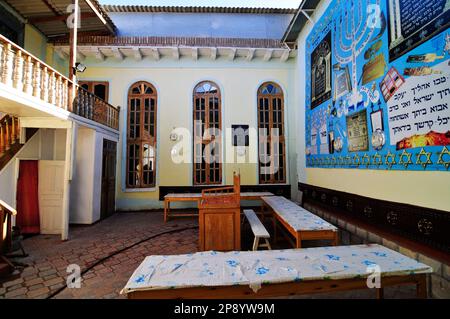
[71, 141]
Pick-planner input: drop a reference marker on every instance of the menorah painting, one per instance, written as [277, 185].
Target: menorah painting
[383, 57]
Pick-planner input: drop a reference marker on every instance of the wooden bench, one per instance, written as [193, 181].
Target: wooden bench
[258, 229]
[300, 223]
[196, 197]
[274, 273]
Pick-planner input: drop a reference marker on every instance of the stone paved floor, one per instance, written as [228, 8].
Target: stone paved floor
[49, 257]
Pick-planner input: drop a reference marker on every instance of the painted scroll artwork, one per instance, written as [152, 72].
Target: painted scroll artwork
[390, 86]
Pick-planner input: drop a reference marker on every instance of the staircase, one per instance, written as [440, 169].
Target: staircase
[9, 138]
[6, 212]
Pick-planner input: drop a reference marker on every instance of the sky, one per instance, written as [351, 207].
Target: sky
[210, 3]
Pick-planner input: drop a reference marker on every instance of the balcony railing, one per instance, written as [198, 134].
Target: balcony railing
[9, 132]
[21, 70]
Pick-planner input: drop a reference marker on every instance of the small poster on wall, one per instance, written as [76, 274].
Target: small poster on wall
[407, 29]
[321, 72]
[357, 132]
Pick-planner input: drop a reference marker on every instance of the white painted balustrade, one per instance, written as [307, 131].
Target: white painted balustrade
[22, 71]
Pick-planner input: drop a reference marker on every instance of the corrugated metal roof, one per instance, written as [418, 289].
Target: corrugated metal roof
[50, 16]
[300, 20]
[195, 9]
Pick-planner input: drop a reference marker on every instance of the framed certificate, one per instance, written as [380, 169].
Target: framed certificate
[376, 119]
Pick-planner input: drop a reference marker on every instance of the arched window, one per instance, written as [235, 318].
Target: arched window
[141, 136]
[272, 158]
[207, 137]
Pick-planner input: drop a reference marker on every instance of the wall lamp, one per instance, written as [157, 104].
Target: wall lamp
[79, 67]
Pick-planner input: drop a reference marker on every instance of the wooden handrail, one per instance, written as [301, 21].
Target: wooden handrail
[8, 208]
[23, 71]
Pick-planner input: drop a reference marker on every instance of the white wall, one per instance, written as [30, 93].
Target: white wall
[81, 190]
[86, 184]
[174, 82]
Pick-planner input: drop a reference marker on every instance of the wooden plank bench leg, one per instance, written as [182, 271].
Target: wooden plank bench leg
[166, 208]
[268, 244]
[298, 241]
[421, 287]
[380, 293]
[336, 239]
[255, 243]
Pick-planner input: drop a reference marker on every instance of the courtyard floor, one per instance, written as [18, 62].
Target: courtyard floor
[45, 273]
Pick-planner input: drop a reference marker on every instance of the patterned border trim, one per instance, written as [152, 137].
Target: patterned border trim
[424, 225]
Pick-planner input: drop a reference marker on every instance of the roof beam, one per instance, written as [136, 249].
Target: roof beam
[268, 55]
[94, 8]
[117, 54]
[99, 55]
[156, 54]
[61, 53]
[176, 53]
[80, 55]
[232, 54]
[137, 54]
[194, 52]
[250, 54]
[285, 55]
[63, 17]
[213, 53]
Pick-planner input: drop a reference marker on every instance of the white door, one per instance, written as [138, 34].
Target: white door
[51, 190]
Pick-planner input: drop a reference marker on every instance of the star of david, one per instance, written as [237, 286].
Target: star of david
[333, 161]
[366, 160]
[425, 163]
[347, 160]
[389, 159]
[441, 160]
[408, 156]
[377, 160]
[356, 160]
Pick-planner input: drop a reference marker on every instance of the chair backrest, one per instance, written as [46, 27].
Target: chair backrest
[237, 183]
[221, 197]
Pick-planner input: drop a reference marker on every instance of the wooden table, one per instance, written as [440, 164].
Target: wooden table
[287, 272]
[299, 222]
[195, 198]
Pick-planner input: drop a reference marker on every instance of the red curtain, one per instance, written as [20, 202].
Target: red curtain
[27, 198]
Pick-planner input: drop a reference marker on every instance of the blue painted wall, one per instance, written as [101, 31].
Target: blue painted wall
[349, 55]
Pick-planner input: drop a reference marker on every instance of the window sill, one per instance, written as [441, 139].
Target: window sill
[139, 190]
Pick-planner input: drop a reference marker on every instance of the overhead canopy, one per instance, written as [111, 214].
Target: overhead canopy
[50, 16]
[306, 9]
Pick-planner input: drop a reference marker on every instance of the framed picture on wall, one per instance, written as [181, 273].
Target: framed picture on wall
[376, 120]
[240, 135]
[358, 137]
[321, 72]
[414, 22]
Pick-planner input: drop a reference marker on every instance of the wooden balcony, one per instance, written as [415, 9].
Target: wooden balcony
[22, 71]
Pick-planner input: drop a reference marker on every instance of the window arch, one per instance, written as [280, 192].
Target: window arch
[272, 157]
[141, 135]
[207, 138]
